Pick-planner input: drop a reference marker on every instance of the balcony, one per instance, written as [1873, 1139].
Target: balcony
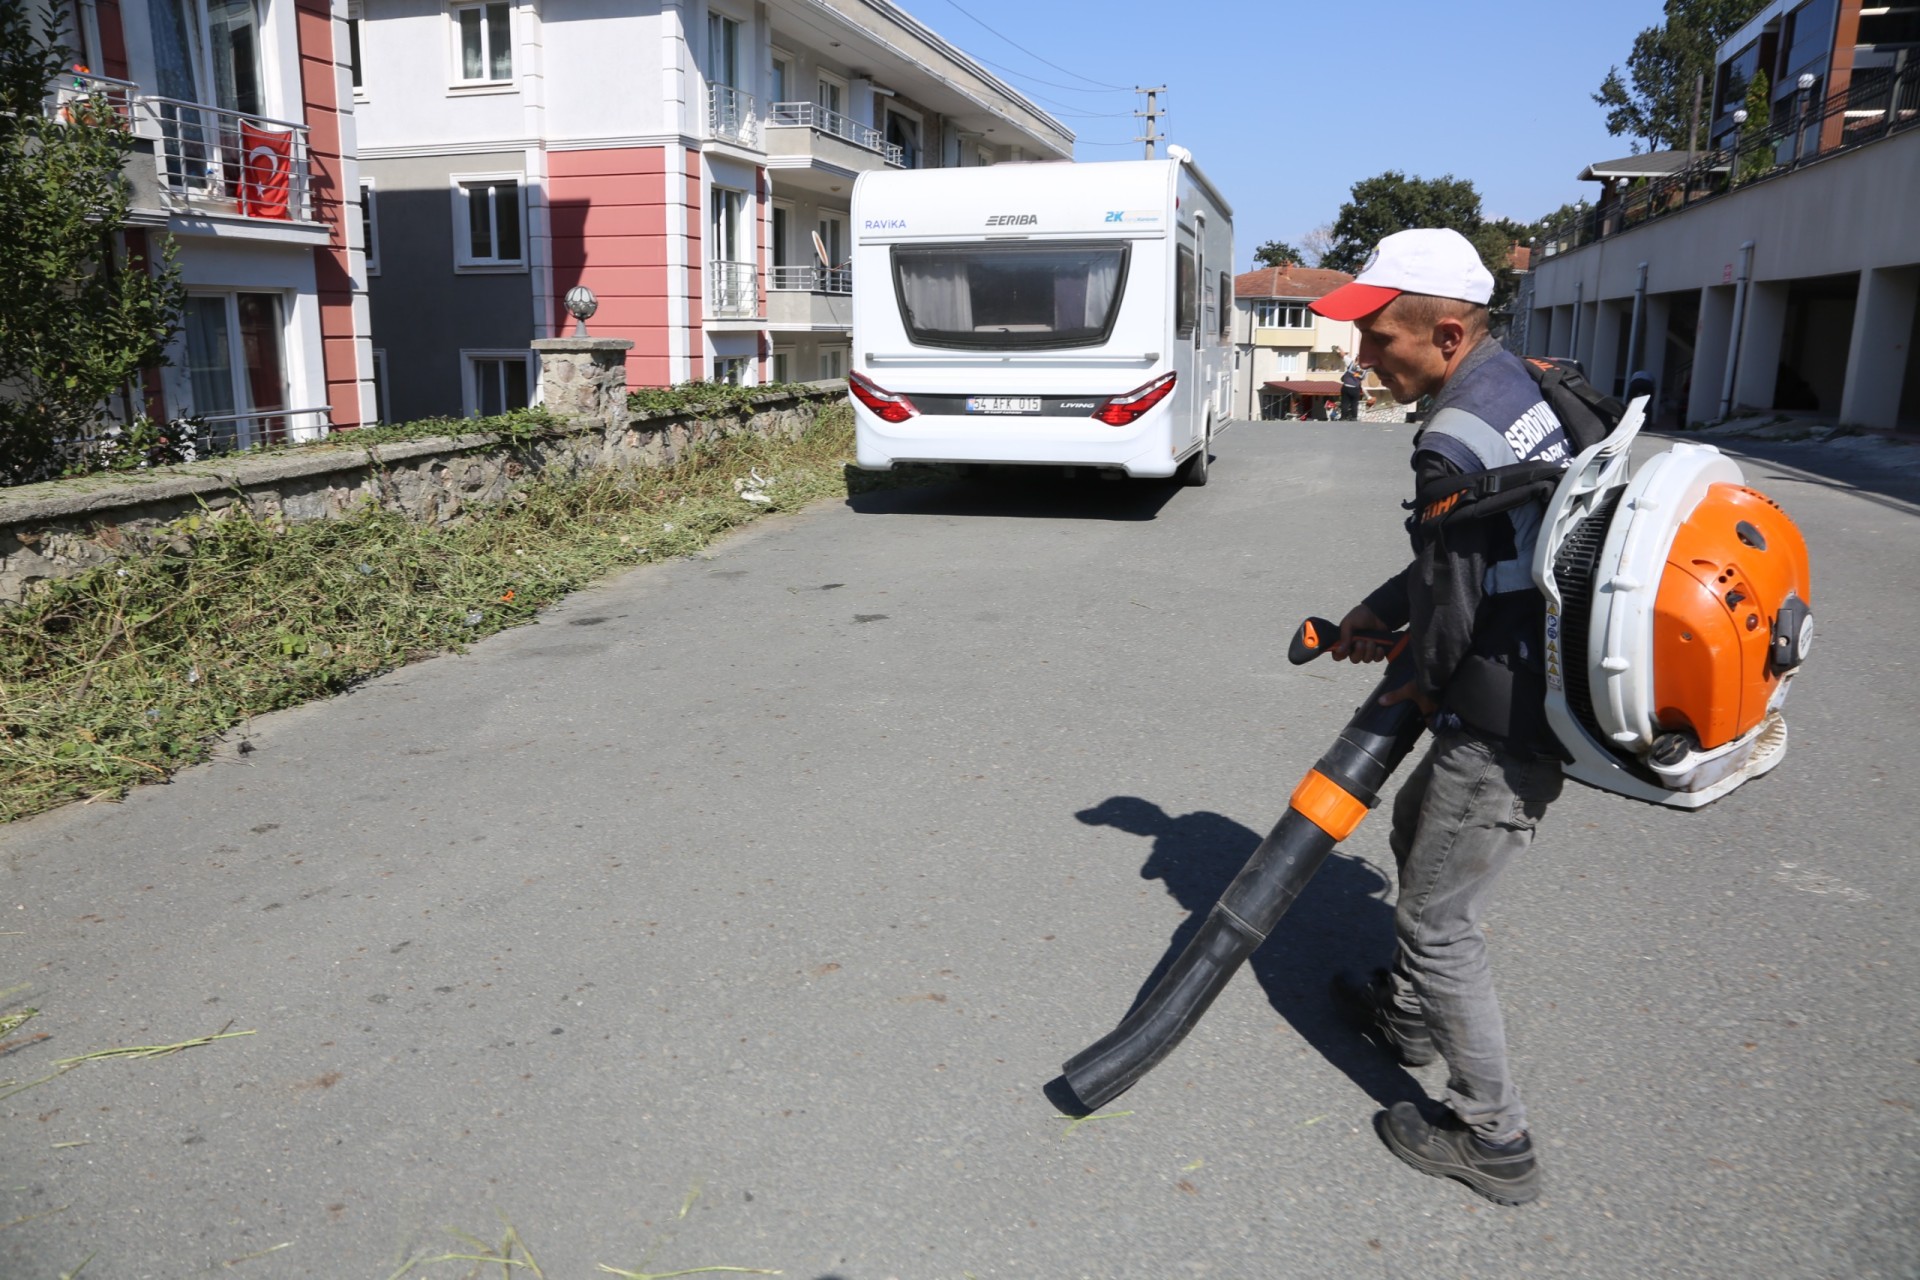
[733, 116]
[733, 290]
[81, 95]
[814, 149]
[214, 161]
[810, 299]
[1877, 107]
[810, 279]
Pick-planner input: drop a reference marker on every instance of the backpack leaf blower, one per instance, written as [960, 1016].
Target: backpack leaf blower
[1677, 613]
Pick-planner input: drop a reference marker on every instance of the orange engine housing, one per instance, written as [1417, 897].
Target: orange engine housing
[1733, 562]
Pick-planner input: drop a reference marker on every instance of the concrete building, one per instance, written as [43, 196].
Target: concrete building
[689, 161]
[243, 135]
[1284, 356]
[1779, 271]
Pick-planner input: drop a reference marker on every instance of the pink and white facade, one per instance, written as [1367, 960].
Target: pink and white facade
[242, 120]
[678, 157]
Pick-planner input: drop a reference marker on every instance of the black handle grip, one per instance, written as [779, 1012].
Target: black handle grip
[1317, 635]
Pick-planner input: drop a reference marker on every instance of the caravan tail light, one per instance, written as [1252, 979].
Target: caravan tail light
[1123, 410]
[889, 407]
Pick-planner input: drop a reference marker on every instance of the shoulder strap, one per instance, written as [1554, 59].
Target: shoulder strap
[1476, 494]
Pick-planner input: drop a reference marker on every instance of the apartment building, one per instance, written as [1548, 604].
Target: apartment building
[1286, 358]
[689, 161]
[244, 157]
[1779, 270]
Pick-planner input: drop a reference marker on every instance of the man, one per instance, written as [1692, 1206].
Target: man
[1475, 620]
[1352, 379]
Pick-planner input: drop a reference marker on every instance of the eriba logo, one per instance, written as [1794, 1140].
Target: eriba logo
[1014, 220]
[886, 224]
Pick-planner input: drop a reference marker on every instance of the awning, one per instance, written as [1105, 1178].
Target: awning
[1329, 388]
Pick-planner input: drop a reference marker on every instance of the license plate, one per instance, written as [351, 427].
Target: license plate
[1003, 404]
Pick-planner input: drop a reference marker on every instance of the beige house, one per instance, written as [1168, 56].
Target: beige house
[1286, 359]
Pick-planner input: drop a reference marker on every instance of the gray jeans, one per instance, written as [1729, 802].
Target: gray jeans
[1464, 813]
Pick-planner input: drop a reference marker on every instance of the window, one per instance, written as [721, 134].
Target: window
[369, 227]
[1271, 313]
[731, 370]
[833, 362]
[353, 51]
[1029, 296]
[483, 35]
[723, 51]
[235, 367]
[1226, 306]
[833, 239]
[903, 131]
[497, 381]
[1185, 290]
[1286, 364]
[830, 93]
[782, 365]
[781, 85]
[381, 404]
[782, 222]
[487, 217]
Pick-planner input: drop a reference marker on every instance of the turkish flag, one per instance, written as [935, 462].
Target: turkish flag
[266, 172]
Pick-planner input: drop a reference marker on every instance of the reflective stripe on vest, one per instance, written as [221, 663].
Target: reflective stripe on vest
[1536, 436]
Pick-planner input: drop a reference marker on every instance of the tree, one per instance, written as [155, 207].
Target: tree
[1653, 102]
[1394, 202]
[76, 321]
[1318, 243]
[1278, 253]
[1756, 156]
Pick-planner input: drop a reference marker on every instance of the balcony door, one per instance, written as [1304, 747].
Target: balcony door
[236, 368]
[723, 51]
[208, 52]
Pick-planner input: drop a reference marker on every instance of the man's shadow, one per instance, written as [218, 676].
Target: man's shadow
[1341, 921]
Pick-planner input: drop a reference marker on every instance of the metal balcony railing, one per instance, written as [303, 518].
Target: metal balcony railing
[733, 289]
[1875, 107]
[811, 115]
[733, 115]
[225, 432]
[80, 95]
[219, 161]
[810, 279]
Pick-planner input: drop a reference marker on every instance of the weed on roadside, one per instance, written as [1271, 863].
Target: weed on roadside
[133, 669]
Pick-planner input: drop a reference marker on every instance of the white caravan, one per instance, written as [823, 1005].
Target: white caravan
[1050, 314]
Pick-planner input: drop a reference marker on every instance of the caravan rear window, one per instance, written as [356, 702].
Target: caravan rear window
[1033, 297]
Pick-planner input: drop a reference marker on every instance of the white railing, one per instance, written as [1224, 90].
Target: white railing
[733, 115]
[224, 432]
[811, 115]
[225, 162]
[733, 289]
[811, 279]
[79, 95]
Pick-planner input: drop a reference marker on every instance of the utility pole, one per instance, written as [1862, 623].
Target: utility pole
[1151, 115]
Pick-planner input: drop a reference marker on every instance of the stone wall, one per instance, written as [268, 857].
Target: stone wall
[63, 527]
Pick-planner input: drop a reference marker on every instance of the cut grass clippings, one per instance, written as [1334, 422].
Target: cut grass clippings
[133, 669]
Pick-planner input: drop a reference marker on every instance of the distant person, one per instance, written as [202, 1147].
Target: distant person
[1474, 621]
[1353, 381]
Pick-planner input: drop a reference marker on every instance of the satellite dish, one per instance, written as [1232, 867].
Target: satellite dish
[820, 247]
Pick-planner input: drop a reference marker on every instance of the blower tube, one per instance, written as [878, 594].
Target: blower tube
[1324, 809]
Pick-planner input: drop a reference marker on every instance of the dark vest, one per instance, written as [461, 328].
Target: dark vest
[1490, 414]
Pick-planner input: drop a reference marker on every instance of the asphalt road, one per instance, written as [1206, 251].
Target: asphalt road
[737, 914]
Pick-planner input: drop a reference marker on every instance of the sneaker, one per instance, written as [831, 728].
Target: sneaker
[1369, 1006]
[1504, 1174]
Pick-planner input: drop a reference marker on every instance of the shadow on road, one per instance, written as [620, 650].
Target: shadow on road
[1024, 492]
[1342, 920]
[1886, 472]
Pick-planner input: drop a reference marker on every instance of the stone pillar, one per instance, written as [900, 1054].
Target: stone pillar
[584, 380]
[1883, 329]
[1760, 346]
[1710, 352]
[1603, 371]
[1653, 355]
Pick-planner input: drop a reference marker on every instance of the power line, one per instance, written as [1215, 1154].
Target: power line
[1070, 88]
[1031, 54]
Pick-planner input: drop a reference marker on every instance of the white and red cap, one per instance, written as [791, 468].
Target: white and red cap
[1429, 260]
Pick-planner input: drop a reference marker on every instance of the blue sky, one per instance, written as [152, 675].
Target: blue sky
[1286, 104]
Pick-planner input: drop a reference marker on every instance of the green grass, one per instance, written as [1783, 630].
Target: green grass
[136, 668]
